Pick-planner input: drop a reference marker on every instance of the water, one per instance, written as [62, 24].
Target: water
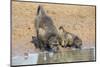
[50, 57]
[25, 60]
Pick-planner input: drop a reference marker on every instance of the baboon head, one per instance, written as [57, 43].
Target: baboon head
[54, 43]
[61, 29]
[62, 32]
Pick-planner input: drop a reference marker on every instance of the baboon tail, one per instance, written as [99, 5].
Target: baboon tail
[40, 10]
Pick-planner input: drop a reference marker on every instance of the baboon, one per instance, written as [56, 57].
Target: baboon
[69, 39]
[44, 23]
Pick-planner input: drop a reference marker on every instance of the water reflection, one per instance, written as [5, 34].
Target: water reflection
[67, 56]
[25, 60]
[50, 57]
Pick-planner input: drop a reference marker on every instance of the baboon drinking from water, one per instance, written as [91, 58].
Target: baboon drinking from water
[44, 27]
[69, 39]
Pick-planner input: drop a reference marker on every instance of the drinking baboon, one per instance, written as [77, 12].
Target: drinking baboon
[69, 39]
[43, 23]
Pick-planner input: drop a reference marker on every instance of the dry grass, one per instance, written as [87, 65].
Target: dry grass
[79, 20]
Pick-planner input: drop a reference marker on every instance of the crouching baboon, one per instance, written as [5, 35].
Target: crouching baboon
[69, 39]
[44, 27]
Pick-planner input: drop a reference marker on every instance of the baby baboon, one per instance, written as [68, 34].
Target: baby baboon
[69, 39]
[44, 22]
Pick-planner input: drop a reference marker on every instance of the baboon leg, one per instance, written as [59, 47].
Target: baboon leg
[41, 44]
[35, 41]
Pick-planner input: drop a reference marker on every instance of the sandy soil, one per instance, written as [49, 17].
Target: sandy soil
[79, 20]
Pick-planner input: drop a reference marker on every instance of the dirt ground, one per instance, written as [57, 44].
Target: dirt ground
[79, 20]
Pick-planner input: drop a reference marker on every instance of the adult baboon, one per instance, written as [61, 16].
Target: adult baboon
[44, 27]
[69, 39]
